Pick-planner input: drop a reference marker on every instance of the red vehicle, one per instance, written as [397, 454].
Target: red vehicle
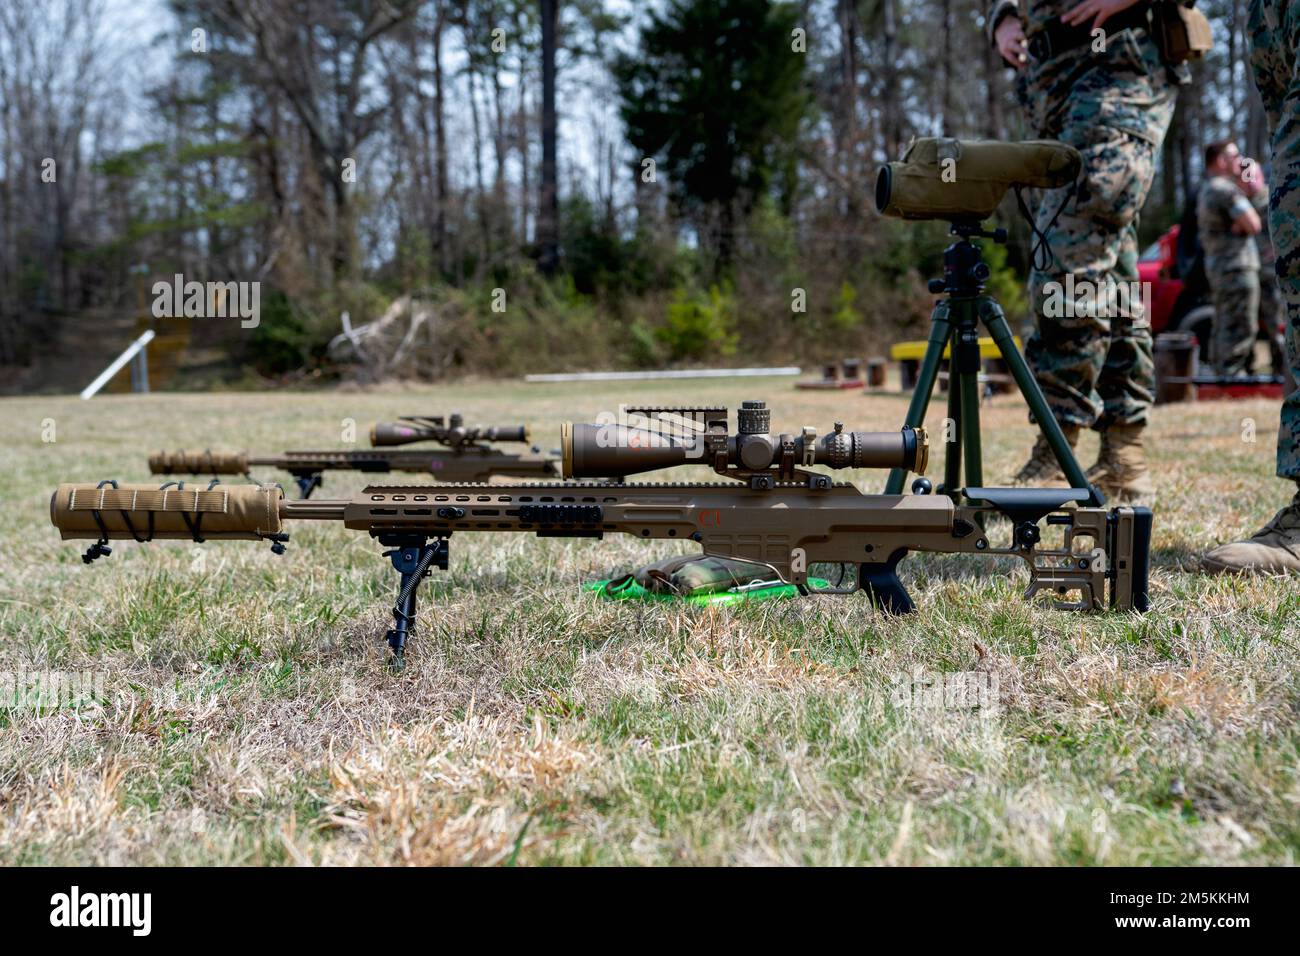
[1176, 305]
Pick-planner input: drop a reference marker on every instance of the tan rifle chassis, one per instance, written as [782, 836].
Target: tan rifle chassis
[1101, 562]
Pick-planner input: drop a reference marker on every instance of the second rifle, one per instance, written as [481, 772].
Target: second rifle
[466, 454]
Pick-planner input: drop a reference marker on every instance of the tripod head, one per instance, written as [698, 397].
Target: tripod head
[974, 229]
[964, 269]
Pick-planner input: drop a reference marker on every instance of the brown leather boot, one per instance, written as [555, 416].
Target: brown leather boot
[1123, 475]
[1042, 470]
[1273, 549]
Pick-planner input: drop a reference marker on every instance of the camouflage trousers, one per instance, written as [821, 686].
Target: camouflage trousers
[1273, 316]
[1091, 351]
[1275, 38]
[1236, 320]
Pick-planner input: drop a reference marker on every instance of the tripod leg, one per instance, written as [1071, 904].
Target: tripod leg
[994, 320]
[966, 360]
[940, 332]
[952, 429]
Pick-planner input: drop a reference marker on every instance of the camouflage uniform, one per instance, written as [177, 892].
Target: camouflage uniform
[1094, 364]
[1275, 52]
[1232, 269]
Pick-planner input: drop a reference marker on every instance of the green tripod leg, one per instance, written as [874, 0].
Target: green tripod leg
[996, 322]
[954, 429]
[969, 363]
[940, 331]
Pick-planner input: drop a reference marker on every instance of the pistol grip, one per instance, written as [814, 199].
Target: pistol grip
[880, 581]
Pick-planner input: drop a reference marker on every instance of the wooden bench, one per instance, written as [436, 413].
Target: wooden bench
[908, 355]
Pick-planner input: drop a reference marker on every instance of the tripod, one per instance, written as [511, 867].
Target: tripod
[955, 321]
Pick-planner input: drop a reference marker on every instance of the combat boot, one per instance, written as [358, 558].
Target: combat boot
[1121, 470]
[1273, 549]
[1042, 468]
[1100, 471]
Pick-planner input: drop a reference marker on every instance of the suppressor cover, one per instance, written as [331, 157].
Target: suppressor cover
[146, 511]
[205, 462]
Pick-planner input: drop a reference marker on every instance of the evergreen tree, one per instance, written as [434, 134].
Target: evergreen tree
[716, 96]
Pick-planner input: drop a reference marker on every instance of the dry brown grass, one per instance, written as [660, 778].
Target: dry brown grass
[248, 717]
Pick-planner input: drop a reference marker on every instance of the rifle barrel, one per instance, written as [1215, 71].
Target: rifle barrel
[306, 509]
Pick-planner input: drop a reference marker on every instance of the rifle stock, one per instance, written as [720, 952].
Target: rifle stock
[1101, 562]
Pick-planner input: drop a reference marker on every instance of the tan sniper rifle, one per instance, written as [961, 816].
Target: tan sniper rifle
[777, 513]
[467, 455]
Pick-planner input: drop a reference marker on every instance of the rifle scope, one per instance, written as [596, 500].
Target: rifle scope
[455, 432]
[608, 451]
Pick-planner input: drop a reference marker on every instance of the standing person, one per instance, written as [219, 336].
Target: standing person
[1091, 75]
[1274, 41]
[1228, 224]
[1272, 310]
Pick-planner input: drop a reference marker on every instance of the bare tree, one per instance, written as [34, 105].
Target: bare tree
[317, 57]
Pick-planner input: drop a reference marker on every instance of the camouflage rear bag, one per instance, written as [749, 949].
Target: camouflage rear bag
[690, 574]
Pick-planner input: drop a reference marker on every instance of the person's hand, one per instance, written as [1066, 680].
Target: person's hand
[1251, 177]
[1010, 37]
[1098, 11]
[1247, 224]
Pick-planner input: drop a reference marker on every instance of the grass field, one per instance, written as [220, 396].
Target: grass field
[247, 715]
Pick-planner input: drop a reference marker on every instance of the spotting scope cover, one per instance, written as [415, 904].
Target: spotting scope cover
[954, 180]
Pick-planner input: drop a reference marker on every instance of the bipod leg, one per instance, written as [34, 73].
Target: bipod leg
[996, 322]
[928, 374]
[307, 483]
[413, 558]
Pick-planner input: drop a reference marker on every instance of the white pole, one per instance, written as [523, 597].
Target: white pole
[662, 374]
[90, 390]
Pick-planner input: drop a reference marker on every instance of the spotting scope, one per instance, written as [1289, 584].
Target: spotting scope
[965, 179]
